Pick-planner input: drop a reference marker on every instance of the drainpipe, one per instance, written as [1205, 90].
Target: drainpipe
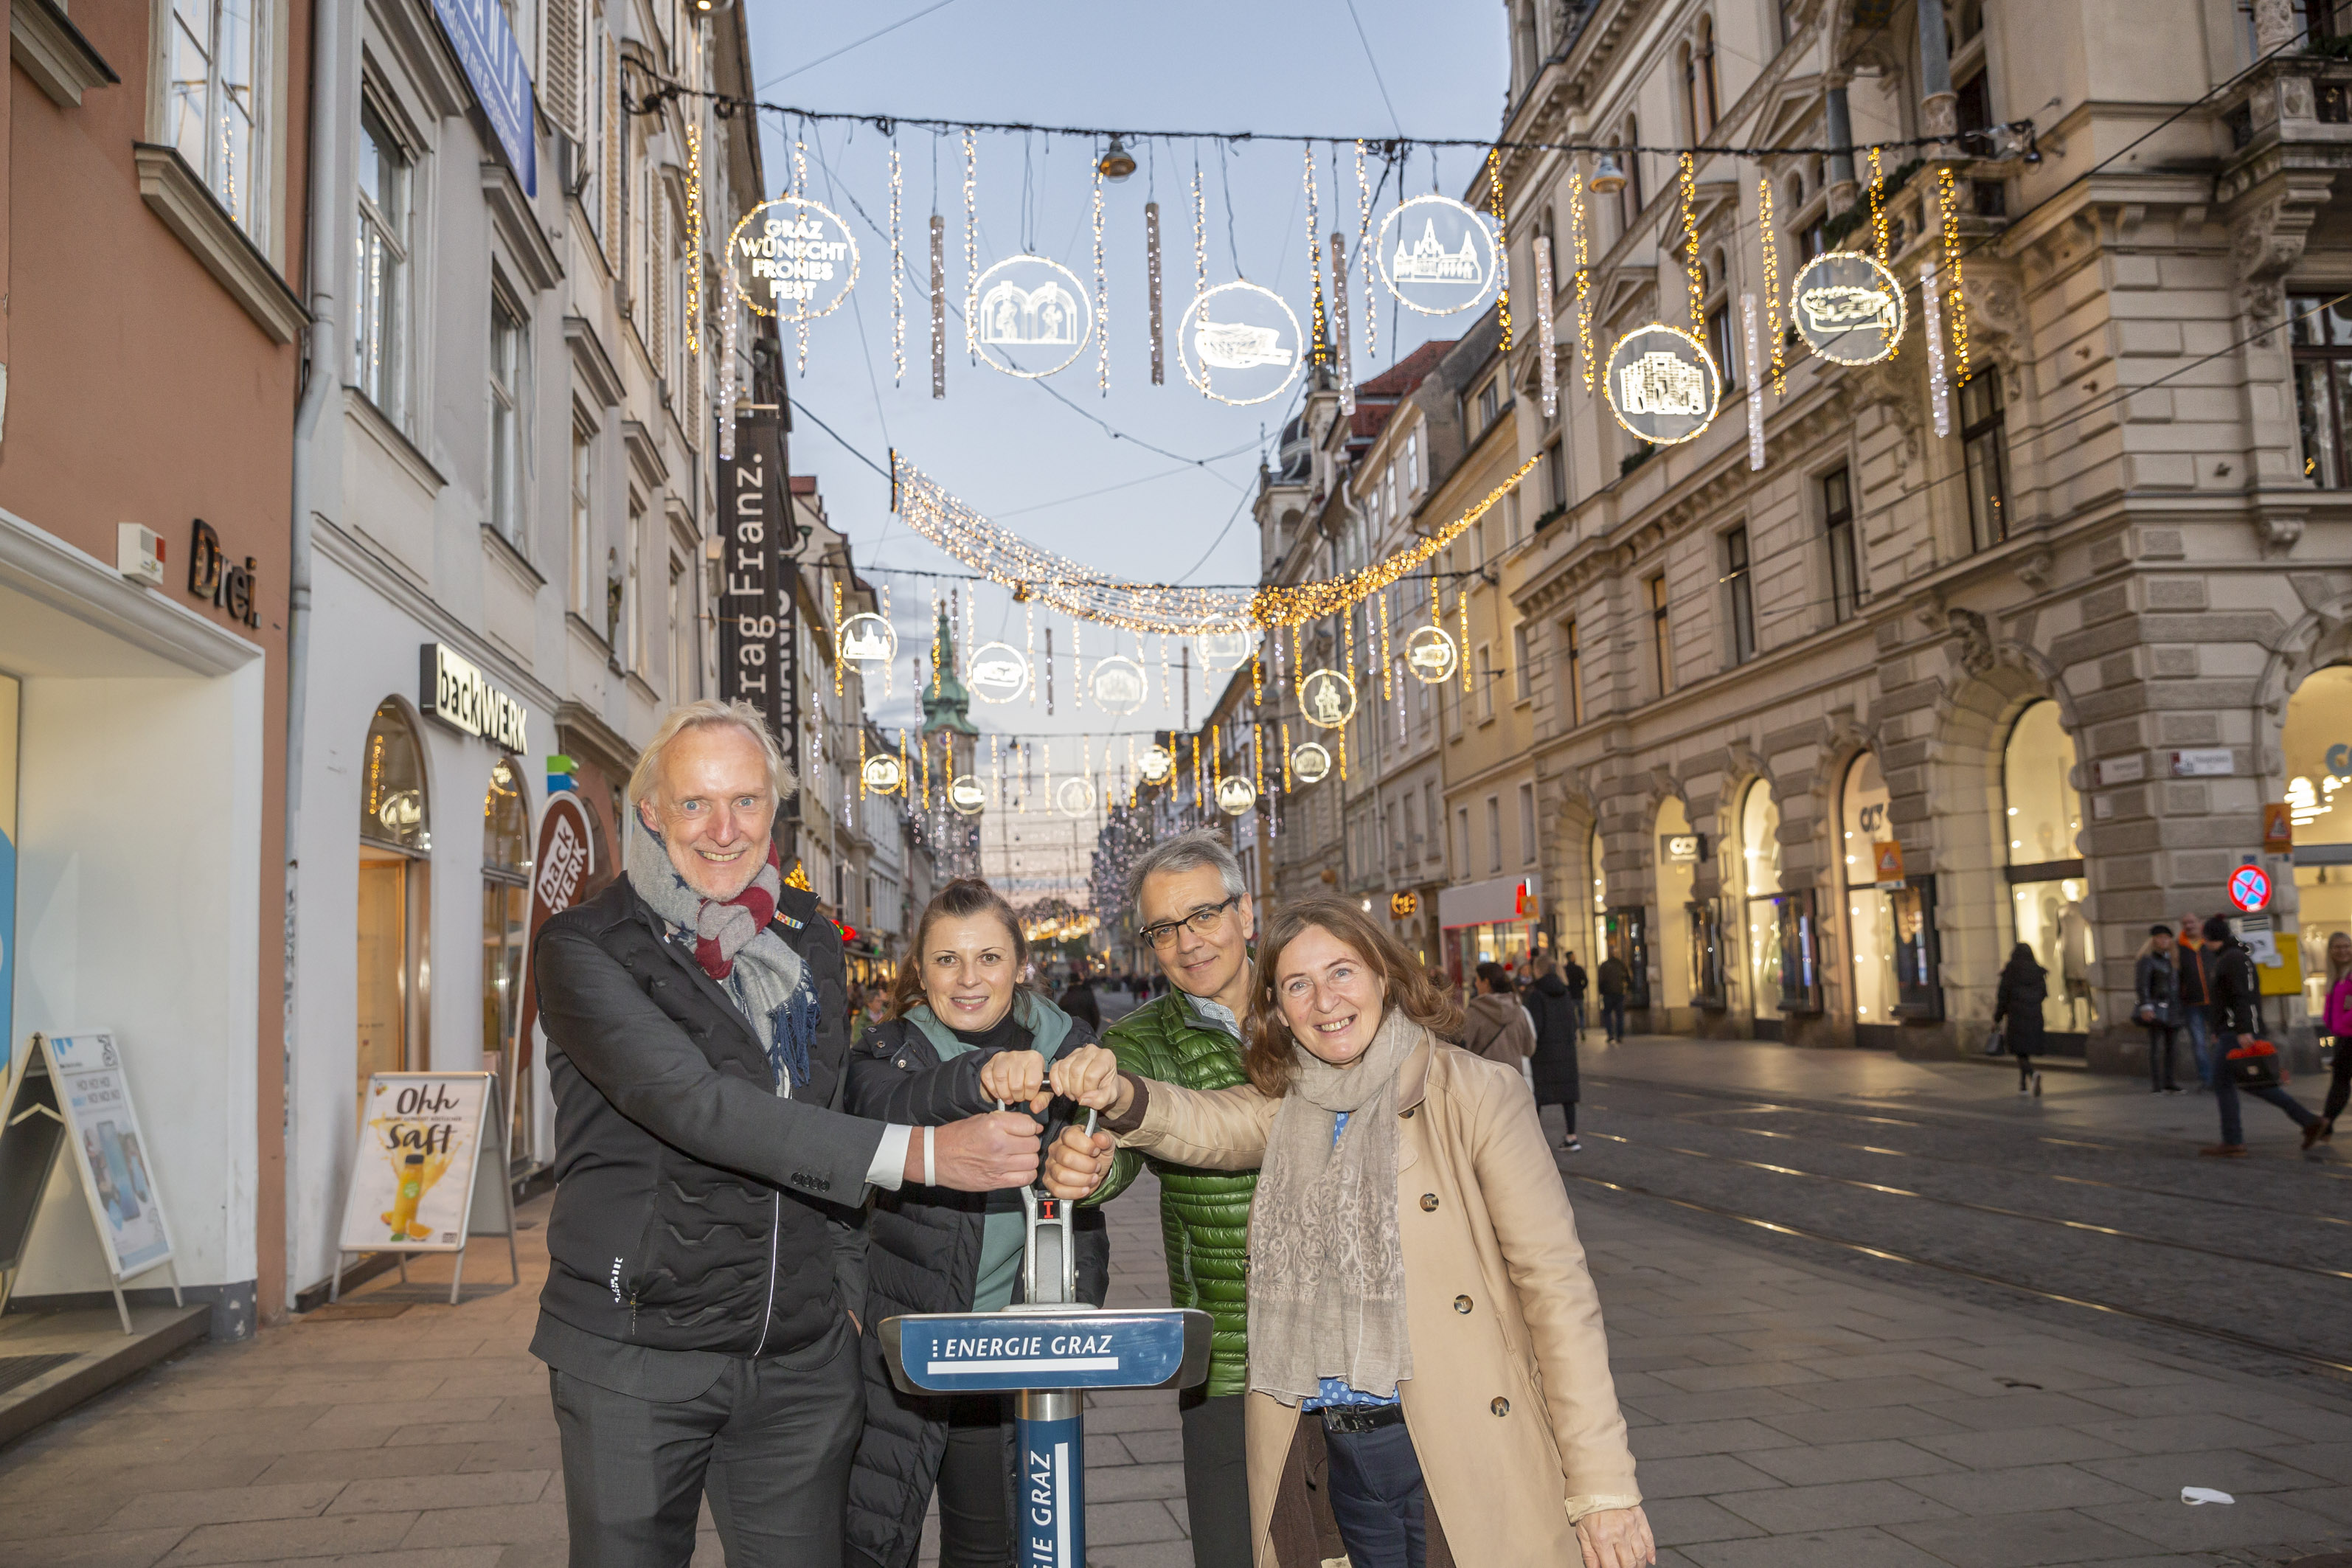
[323, 343]
[1841, 135]
[1938, 105]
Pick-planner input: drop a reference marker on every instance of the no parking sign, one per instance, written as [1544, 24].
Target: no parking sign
[2250, 889]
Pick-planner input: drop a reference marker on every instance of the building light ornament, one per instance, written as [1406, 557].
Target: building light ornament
[967, 795]
[1236, 796]
[1074, 795]
[1848, 308]
[1436, 254]
[1310, 762]
[1327, 699]
[998, 672]
[1029, 317]
[866, 639]
[1249, 334]
[1661, 385]
[1117, 685]
[1155, 764]
[883, 773]
[1429, 655]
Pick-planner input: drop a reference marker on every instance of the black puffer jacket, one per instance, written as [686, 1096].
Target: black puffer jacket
[695, 1209]
[1554, 1063]
[925, 1258]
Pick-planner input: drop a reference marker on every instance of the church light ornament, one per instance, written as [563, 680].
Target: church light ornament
[1310, 762]
[1236, 796]
[1436, 256]
[865, 639]
[1028, 317]
[1848, 308]
[1240, 344]
[1117, 685]
[1661, 385]
[1224, 650]
[1074, 795]
[1429, 655]
[792, 258]
[966, 795]
[1327, 699]
[997, 672]
[883, 773]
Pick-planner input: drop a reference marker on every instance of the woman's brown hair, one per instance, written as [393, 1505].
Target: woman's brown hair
[1267, 1046]
[960, 899]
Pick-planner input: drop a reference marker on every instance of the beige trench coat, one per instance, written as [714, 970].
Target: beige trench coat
[1510, 1403]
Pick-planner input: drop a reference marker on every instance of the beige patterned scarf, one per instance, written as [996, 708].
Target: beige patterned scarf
[1326, 1269]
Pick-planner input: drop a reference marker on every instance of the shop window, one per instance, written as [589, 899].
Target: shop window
[1984, 451]
[1486, 682]
[1759, 887]
[1739, 595]
[1662, 653]
[2043, 817]
[1710, 79]
[1677, 864]
[2318, 748]
[1597, 874]
[510, 362]
[1526, 824]
[583, 553]
[395, 841]
[1574, 643]
[1837, 530]
[219, 51]
[1870, 898]
[2321, 333]
[1626, 934]
[380, 318]
[506, 915]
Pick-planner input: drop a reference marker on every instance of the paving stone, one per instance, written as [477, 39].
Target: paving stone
[2021, 1541]
[1878, 1422]
[2229, 1469]
[1124, 1523]
[1129, 1483]
[108, 1549]
[1832, 1463]
[266, 1540]
[1815, 1549]
[1834, 1507]
[497, 1524]
[1703, 1475]
[2175, 1526]
[2024, 1445]
[222, 1505]
[1657, 1441]
[378, 1494]
[1680, 1521]
[2024, 1489]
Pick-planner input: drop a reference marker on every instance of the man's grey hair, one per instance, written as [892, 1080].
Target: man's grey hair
[710, 712]
[1186, 852]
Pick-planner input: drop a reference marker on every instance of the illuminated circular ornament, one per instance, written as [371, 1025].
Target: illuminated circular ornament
[967, 794]
[1028, 316]
[1117, 685]
[1240, 344]
[1236, 796]
[1662, 385]
[1074, 795]
[1327, 697]
[793, 259]
[998, 672]
[1221, 651]
[1310, 762]
[866, 638]
[1155, 764]
[1847, 308]
[1437, 256]
[883, 774]
[1429, 655]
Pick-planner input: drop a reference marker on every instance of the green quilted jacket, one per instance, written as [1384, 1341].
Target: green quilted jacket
[1204, 1214]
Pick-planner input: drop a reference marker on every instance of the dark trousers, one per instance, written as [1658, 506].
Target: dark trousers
[974, 1484]
[771, 1441]
[1378, 1499]
[2339, 1088]
[2024, 1070]
[2160, 1056]
[1576, 1007]
[1216, 1479]
[2225, 1099]
[1612, 1018]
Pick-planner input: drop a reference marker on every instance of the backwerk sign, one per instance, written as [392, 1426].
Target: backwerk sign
[461, 696]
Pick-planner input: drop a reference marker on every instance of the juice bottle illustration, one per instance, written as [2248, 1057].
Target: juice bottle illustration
[412, 1188]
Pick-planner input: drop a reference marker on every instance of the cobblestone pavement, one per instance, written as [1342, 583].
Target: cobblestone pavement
[1786, 1407]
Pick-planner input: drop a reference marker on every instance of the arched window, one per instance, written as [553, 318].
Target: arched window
[1869, 910]
[1709, 101]
[2042, 816]
[505, 914]
[1760, 885]
[1677, 852]
[2317, 746]
[1687, 64]
[395, 839]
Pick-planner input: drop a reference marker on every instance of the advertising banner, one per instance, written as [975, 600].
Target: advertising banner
[754, 593]
[567, 858]
[494, 63]
[413, 1174]
[103, 1130]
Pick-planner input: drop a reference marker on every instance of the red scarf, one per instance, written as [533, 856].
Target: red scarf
[759, 899]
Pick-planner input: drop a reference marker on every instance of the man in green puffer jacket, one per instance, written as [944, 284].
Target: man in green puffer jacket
[1188, 899]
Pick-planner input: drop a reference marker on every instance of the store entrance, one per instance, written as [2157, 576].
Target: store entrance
[394, 905]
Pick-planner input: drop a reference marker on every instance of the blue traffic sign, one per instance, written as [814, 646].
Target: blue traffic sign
[1056, 1348]
[2250, 889]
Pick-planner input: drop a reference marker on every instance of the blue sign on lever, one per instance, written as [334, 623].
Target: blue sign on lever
[944, 1351]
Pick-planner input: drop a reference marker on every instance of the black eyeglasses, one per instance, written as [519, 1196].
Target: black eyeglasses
[1202, 921]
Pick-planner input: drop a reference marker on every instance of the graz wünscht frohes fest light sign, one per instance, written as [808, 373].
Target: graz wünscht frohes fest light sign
[460, 697]
[494, 63]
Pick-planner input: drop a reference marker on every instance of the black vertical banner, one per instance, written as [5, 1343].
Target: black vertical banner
[753, 591]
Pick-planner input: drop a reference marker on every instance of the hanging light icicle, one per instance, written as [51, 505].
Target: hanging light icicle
[1388, 670]
[1286, 748]
[1102, 295]
[971, 240]
[1931, 320]
[838, 661]
[730, 387]
[1755, 386]
[1200, 247]
[694, 240]
[1346, 367]
[1364, 255]
[1770, 238]
[800, 189]
[1152, 284]
[1877, 209]
[1948, 198]
[1502, 255]
[1583, 237]
[1547, 343]
[1697, 274]
[1321, 328]
[1029, 620]
[938, 306]
[897, 274]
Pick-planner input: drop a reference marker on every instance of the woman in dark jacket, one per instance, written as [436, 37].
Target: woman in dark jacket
[963, 1034]
[2019, 1000]
[2156, 1005]
[1559, 1014]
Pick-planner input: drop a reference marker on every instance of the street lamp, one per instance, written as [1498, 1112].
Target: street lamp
[1608, 175]
[1117, 163]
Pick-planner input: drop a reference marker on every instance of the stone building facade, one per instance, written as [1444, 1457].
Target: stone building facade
[1818, 744]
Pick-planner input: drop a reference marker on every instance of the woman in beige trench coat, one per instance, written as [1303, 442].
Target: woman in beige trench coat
[1446, 1342]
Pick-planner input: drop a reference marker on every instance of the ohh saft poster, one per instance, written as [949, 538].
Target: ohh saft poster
[420, 1135]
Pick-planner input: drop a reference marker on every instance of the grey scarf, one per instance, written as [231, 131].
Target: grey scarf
[1326, 1269]
[768, 980]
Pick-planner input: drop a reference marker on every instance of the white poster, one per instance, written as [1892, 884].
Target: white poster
[412, 1176]
[104, 1133]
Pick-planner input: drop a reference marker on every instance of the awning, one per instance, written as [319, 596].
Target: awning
[1495, 901]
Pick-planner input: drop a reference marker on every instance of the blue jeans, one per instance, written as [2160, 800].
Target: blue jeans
[2225, 1095]
[2201, 1044]
[1378, 1499]
[1612, 1018]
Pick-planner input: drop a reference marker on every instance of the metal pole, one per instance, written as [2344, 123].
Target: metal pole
[1049, 1427]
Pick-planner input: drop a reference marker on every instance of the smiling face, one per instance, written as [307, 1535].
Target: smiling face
[712, 807]
[970, 965]
[1202, 964]
[1332, 998]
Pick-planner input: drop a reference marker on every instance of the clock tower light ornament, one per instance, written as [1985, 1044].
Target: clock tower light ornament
[1661, 385]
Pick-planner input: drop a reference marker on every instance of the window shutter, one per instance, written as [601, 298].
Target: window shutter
[560, 69]
[612, 153]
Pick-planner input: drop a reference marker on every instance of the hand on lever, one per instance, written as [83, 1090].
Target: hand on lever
[980, 1153]
[1089, 1075]
[1076, 1163]
[1014, 1078]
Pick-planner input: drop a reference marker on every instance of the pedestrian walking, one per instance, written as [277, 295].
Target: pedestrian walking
[1080, 1002]
[1614, 980]
[701, 1316]
[1194, 914]
[2337, 1020]
[963, 1034]
[2196, 996]
[2252, 1066]
[1395, 1183]
[1558, 1015]
[1495, 1025]
[2018, 1003]
[2156, 987]
[1572, 975]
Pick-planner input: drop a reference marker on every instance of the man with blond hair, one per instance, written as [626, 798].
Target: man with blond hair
[705, 1255]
